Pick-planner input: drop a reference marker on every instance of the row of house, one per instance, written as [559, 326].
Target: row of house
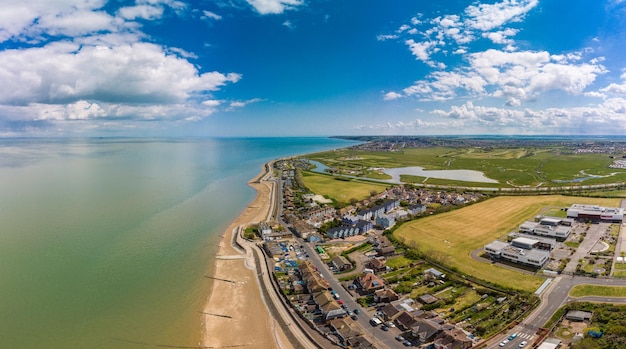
[425, 326]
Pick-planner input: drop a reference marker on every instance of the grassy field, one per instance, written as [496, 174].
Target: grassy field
[340, 190]
[600, 291]
[510, 166]
[451, 236]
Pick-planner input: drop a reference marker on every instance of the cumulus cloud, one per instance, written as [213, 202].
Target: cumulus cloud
[141, 72]
[265, 7]
[105, 71]
[516, 76]
[389, 96]
[386, 37]
[453, 32]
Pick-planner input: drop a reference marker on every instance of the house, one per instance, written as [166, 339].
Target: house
[391, 312]
[453, 339]
[364, 226]
[345, 329]
[377, 265]
[361, 342]
[385, 295]
[349, 220]
[384, 247]
[425, 330]
[329, 306]
[385, 221]
[370, 283]
[341, 263]
[405, 321]
[577, 315]
[264, 229]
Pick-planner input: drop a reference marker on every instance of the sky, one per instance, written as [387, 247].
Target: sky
[312, 67]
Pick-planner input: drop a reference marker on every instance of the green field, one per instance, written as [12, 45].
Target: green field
[600, 291]
[511, 166]
[341, 190]
[451, 236]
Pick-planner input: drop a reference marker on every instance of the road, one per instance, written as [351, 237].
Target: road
[381, 338]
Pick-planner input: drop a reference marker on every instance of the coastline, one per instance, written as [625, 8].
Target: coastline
[235, 313]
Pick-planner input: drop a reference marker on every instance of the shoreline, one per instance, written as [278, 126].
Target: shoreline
[235, 313]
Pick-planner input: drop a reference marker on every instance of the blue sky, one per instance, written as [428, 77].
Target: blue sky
[308, 68]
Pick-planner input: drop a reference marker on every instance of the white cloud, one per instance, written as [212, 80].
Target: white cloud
[63, 72]
[141, 11]
[289, 24]
[274, 6]
[211, 15]
[389, 96]
[240, 104]
[501, 36]
[386, 37]
[422, 50]
[486, 17]
[516, 76]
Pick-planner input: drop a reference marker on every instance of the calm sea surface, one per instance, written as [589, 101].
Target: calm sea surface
[104, 243]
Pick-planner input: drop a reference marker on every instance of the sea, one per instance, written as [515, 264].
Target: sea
[105, 242]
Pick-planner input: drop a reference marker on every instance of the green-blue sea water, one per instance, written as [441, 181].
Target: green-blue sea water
[104, 243]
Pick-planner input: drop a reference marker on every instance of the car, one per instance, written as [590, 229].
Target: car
[400, 338]
[407, 343]
[353, 317]
[350, 313]
[384, 328]
[340, 301]
[503, 343]
[523, 344]
[390, 324]
[512, 337]
[357, 311]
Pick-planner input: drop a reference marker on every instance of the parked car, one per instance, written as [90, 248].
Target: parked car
[407, 343]
[384, 328]
[400, 338]
[357, 311]
[523, 344]
[390, 324]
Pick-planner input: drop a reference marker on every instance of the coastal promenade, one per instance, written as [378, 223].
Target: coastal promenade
[243, 310]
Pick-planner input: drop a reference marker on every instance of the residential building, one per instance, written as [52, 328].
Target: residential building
[341, 263]
[370, 282]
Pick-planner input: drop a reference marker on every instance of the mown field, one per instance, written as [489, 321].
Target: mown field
[340, 190]
[451, 236]
[511, 166]
[597, 290]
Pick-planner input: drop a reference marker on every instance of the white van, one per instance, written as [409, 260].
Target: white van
[375, 321]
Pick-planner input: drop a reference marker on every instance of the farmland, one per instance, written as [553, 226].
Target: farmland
[342, 191]
[450, 237]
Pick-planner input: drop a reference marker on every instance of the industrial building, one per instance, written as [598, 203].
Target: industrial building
[521, 250]
[596, 213]
[551, 227]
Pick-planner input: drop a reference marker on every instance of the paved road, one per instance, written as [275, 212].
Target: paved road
[382, 339]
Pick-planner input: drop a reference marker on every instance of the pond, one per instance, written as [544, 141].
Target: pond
[457, 175]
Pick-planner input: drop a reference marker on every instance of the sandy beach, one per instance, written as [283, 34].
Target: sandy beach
[235, 313]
